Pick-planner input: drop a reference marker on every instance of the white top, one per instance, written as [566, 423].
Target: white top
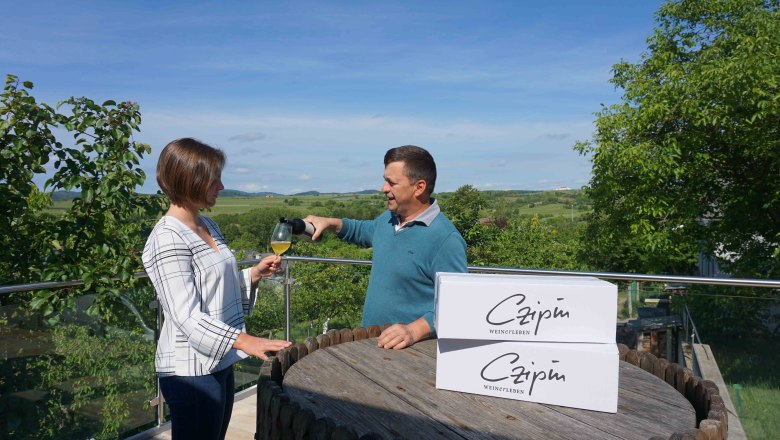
[203, 295]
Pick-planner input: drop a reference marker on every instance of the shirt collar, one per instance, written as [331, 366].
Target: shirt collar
[426, 217]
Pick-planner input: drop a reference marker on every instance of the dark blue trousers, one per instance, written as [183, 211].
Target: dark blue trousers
[200, 405]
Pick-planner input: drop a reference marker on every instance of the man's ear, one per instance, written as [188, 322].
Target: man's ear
[420, 187]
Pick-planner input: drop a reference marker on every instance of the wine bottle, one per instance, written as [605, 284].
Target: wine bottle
[302, 229]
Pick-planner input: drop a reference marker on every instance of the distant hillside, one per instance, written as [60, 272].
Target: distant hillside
[65, 196]
[317, 193]
[512, 191]
[237, 193]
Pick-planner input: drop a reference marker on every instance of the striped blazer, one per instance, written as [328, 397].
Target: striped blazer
[203, 295]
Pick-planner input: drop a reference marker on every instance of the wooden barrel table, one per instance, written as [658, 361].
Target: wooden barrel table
[357, 390]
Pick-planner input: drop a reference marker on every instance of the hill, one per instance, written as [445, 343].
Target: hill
[317, 193]
[65, 196]
[237, 193]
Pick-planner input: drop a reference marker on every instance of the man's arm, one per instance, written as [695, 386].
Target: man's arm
[322, 224]
[399, 336]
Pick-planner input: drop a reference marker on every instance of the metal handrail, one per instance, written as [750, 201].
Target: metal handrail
[54, 284]
[737, 282]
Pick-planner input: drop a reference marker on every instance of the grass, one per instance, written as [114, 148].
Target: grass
[751, 370]
[242, 204]
[758, 406]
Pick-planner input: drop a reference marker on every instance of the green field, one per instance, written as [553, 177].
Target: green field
[242, 204]
[569, 204]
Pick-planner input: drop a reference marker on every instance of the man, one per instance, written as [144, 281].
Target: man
[411, 241]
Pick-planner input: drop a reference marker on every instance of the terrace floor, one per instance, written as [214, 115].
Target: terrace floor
[242, 423]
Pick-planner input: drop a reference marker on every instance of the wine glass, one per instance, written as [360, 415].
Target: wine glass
[281, 238]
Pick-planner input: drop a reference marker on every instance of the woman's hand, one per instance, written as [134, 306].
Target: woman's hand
[254, 346]
[268, 266]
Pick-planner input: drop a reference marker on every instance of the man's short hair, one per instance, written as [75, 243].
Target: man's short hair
[187, 168]
[418, 164]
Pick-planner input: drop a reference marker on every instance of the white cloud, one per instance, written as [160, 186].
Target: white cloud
[248, 137]
[252, 187]
[343, 152]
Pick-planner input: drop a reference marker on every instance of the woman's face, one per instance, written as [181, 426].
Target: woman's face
[213, 192]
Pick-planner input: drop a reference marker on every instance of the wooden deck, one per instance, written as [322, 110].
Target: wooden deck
[242, 423]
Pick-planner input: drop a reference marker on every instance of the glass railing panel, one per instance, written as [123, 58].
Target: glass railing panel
[321, 300]
[84, 378]
[267, 320]
[78, 377]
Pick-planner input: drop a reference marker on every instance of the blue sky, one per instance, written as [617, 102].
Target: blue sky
[309, 95]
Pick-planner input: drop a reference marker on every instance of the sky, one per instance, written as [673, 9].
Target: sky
[309, 95]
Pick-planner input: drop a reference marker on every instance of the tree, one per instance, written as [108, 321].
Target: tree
[102, 234]
[527, 243]
[463, 209]
[329, 291]
[98, 240]
[690, 158]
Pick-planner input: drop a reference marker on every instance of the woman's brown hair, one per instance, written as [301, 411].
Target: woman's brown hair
[187, 168]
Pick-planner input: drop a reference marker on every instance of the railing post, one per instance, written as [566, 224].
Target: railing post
[287, 329]
[160, 398]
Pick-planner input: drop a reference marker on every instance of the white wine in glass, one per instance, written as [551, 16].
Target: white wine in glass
[281, 238]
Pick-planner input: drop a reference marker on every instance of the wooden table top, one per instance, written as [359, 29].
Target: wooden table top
[392, 393]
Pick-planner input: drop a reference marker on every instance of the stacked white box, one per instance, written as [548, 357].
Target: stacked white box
[553, 338]
[575, 375]
[525, 308]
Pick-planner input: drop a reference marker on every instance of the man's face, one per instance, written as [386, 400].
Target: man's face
[398, 189]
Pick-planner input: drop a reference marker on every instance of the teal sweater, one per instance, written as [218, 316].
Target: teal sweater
[403, 272]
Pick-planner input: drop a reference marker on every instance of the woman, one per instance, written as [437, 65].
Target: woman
[203, 295]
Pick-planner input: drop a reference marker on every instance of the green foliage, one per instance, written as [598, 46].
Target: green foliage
[26, 141]
[97, 239]
[733, 312]
[463, 209]
[86, 372]
[528, 243]
[320, 292]
[689, 159]
[268, 314]
[252, 230]
[100, 236]
[758, 408]
[751, 363]
[329, 291]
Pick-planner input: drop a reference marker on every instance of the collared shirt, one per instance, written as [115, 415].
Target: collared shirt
[426, 217]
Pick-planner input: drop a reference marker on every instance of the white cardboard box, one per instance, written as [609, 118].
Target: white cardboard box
[574, 375]
[525, 308]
